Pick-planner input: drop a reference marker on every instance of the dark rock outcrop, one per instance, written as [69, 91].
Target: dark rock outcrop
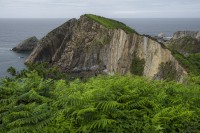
[85, 46]
[27, 45]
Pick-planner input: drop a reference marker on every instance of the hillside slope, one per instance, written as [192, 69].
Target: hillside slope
[93, 45]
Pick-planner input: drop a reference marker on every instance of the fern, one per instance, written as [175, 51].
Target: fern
[102, 123]
[102, 104]
[107, 105]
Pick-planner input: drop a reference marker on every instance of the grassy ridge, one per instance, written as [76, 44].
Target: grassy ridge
[110, 23]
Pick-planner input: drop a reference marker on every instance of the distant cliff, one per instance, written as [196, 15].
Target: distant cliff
[94, 45]
[184, 45]
[185, 42]
[180, 34]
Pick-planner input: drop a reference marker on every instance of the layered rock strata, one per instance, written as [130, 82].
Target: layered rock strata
[84, 45]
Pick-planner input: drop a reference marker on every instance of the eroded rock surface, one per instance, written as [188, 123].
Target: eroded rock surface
[85, 46]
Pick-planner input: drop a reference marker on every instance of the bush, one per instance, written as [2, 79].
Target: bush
[137, 66]
[44, 70]
[12, 71]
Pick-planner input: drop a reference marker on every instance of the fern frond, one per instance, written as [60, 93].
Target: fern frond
[29, 120]
[24, 129]
[107, 105]
[20, 114]
[101, 123]
[86, 110]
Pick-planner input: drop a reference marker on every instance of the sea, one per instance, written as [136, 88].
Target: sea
[13, 31]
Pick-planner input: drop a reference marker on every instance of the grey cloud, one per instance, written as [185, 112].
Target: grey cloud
[108, 8]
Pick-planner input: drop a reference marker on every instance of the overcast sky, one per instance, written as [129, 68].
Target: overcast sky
[107, 8]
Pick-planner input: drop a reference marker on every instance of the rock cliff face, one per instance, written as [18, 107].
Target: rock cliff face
[27, 45]
[84, 45]
[180, 34]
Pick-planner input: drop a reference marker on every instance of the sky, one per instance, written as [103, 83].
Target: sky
[107, 8]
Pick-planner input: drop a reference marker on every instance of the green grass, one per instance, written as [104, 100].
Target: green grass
[190, 63]
[110, 23]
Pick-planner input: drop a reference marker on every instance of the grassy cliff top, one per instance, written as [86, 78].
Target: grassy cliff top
[110, 23]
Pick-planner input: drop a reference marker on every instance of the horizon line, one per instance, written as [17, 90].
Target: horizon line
[112, 18]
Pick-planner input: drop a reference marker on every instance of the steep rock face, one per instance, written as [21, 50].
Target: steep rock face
[49, 44]
[27, 45]
[86, 46]
[180, 34]
[154, 54]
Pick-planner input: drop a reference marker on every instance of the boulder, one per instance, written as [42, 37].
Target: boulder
[26, 45]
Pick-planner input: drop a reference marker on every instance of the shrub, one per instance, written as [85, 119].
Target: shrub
[137, 66]
[12, 71]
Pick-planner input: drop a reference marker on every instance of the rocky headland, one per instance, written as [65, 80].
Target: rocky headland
[181, 34]
[185, 42]
[94, 45]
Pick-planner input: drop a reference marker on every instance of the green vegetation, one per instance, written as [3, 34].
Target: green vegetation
[11, 70]
[43, 69]
[190, 63]
[35, 103]
[167, 71]
[110, 23]
[137, 66]
[195, 59]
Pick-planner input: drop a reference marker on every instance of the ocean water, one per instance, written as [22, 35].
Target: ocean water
[13, 31]
[154, 26]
